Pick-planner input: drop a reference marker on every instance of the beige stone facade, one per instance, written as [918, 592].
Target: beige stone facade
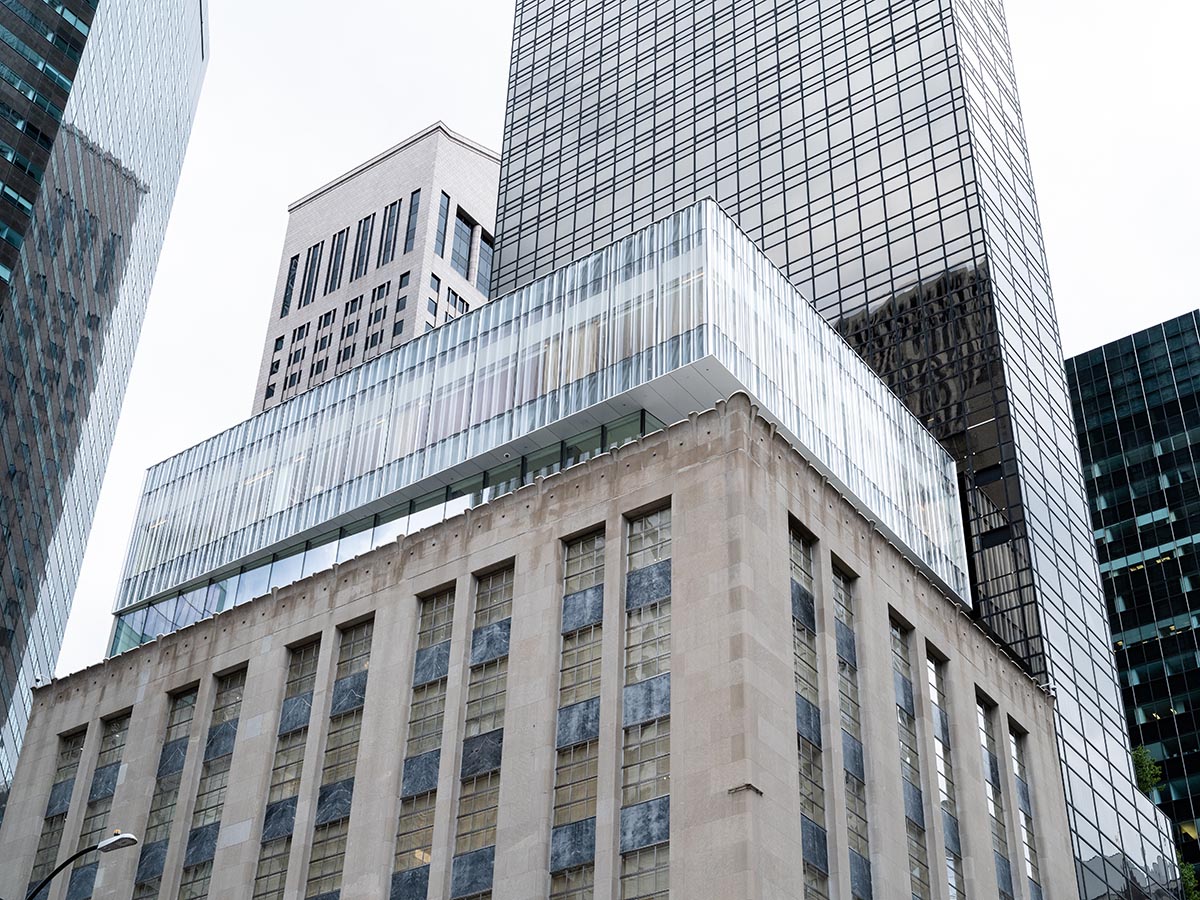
[737, 492]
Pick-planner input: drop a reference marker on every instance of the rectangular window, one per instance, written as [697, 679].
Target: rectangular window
[477, 804]
[485, 697]
[295, 356]
[349, 329]
[460, 252]
[398, 328]
[214, 779]
[435, 285]
[337, 260]
[579, 678]
[648, 641]
[649, 539]
[292, 380]
[326, 319]
[936, 677]
[166, 786]
[426, 717]
[353, 306]
[403, 281]
[312, 266]
[391, 230]
[414, 839]
[985, 715]
[433, 307]
[322, 343]
[437, 618]
[493, 597]
[575, 783]
[70, 748]
[401, 303]
[573, 884]
[584, 563]
[362, 247]
[95, 816]
[378, 315]
[410, 233]
[1017, 742]
[646, 874]
[646, 762]
[483, 271]
[374, 340]
[289, 286]
[851, 719]
[439, 239]
[381, 291]
[300, 333]
[910, 762]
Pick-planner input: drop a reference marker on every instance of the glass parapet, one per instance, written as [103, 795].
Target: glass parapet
[563, 351]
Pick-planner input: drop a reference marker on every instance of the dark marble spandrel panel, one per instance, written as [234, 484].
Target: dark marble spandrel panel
[431, 663]
[221, 738]
[482, 753]
[914, 803]
[941, 722]
[295, 713]
[490, 642]
[83, 881]
[808, 721]
[852, 756]
[279, 820]
[950, 827]
[1035, 889]
[645, 824]
[647, 700]
[578, 723]
[328, 895]
[104, 782]
[572, 845]
[420, 773]
[991, 767]
[471, 873]
[860, 876]
[201, 844]
[904, 693]
[60, 798]
[333, 801]
[151, 861]
[349, 693]
[172, 758]
[583, 608]
[412, 884]
[1023, 796]
[648, 585]
[814, 844]
[1003, 873]
[804, 606]
[846, 649]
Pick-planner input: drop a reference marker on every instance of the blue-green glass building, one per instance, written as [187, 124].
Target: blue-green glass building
[96, 106]
[1137, 410]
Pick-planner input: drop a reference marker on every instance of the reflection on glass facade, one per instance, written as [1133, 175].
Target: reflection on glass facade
[671, 320]
[1137, 412]
[94, 120]
[875, 153]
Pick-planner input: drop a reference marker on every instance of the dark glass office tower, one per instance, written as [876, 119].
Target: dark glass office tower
[875, 152]
[96, 105]
[1137, 412]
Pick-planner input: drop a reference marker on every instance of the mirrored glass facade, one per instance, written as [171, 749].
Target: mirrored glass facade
[1137, 411]
[670, 320]
[96, 108]
[875, 152]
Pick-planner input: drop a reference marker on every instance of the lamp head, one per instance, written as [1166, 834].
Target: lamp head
[118, 841]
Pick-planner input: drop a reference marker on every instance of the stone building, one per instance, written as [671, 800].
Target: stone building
[685, 667]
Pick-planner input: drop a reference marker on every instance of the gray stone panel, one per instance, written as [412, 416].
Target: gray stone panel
[279, 820]
[914, 803]
[151, 861]
[349, 693]
[471, 873]
[1003, 873]
[221, 738]
[295, 713]
[578, 723]
[172, 757]
[645, 824]
[991, 767]
[420, 773]
[481, 754]
[60, 798]
[410, 885]
[333, 801]
[490, 642]
[814, 844]
[1023, 796]
[83, 881]
[104, 782]
[904, 693]
[431, 664]
[647, 700]
[953, 840]
[808, 721]
[648, 585]
[852, 756]
[572, 845]
[804, 607]
[201, 844]
[583, 608]
[846, 649]
[860, 876]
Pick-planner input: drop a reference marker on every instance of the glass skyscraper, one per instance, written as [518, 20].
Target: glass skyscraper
[875, 152]
[96, 105]
[1137, 411]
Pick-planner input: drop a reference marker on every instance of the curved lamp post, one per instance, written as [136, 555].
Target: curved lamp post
[118, 841]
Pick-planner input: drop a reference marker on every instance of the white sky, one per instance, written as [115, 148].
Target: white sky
[296, 95]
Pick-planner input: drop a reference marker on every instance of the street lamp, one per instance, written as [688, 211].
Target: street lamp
[119, 841]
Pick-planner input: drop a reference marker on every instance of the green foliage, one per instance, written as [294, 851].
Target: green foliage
[1148, 772]
[1187, 880]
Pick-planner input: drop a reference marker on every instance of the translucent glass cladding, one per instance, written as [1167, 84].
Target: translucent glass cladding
[686, 288]
[78, 295]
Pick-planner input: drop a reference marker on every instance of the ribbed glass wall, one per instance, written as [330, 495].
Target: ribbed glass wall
[689, 288]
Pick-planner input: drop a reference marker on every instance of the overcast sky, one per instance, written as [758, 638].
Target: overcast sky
[296, 94]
